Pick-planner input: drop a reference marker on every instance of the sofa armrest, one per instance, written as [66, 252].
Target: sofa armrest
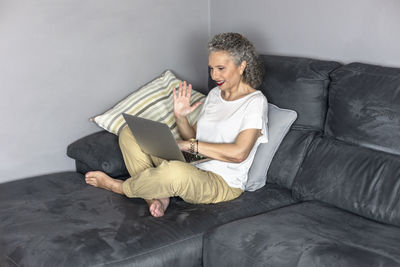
[98, 152]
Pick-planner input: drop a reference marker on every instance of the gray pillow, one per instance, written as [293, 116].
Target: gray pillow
[279, 122]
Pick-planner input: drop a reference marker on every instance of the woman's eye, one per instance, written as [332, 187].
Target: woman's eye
[221, 68]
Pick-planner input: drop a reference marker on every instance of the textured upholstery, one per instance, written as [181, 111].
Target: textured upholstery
[300, 84]
[98, 152]
[290, 155]
[303, 235]
[356, 179]
[364, 106]
[356, 166]
[58, 220]
[352, 170]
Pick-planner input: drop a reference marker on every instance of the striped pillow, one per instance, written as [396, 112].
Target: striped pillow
[153, 101]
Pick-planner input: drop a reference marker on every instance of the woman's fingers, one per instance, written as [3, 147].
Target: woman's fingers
[184, 90]
[174, 93]
[189, 91]
[183, 94]
[192, 108]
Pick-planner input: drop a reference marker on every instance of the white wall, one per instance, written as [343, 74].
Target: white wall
[64, 61]
[357, 30]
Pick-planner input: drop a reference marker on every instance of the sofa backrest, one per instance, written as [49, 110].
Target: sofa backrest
[355, 165]
[300, 84]
[365, 107]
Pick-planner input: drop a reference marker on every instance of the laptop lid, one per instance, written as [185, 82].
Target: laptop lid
[154, 138]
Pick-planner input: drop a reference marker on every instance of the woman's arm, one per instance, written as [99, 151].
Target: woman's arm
[185, 130]
[182, 108]
[235, 152]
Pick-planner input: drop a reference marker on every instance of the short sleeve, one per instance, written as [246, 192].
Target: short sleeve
[203, 106]
[256, 117]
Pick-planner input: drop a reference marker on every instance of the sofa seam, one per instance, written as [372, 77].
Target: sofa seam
[11, 259]
[304, 154]
[236, 250]
[150, 251]
[266, 212]
[254, 215]
[352, 68]
[336, 241]
[339, 241]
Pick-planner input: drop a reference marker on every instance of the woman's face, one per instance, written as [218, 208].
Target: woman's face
[224, 71]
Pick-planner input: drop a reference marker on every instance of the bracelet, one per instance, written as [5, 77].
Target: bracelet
[191, 149]
[197, 147]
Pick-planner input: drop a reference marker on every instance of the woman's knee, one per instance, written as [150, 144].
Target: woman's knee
[175, 172]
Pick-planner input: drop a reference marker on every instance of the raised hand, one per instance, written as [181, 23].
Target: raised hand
[182, 100]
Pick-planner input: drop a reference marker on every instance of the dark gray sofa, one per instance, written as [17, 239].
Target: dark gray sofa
[332, 197]
[349, 185]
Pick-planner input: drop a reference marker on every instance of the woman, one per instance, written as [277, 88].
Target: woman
[230, 127]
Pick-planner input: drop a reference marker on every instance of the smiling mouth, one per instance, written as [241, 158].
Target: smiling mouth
[219, 83]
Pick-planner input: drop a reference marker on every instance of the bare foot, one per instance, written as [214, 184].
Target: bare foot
[157, 207]
[102, 180]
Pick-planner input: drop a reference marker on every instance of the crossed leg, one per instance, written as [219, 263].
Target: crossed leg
[137, 161]
[157, 207]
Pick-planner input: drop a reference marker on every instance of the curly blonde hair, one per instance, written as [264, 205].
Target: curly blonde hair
[240, 49]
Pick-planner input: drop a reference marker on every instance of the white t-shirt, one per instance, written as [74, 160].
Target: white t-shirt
[221, 121]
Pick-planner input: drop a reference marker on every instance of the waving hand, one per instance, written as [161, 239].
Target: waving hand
[182, 100]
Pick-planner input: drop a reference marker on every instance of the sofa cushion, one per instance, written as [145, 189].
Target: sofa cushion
[98, 152]
[359, 180]
[364, 106]
[300, 84]
[153, 101]
[303, 235]
[287, 160]
[279, 122]
[58, 220]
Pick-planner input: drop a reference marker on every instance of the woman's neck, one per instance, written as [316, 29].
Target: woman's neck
[237, 92]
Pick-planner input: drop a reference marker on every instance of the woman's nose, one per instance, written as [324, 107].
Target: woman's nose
[213, 75]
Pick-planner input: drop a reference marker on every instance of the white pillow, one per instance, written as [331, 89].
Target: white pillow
[153, 101]
[279, 122]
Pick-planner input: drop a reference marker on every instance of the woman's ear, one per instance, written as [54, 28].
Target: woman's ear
[242, 66]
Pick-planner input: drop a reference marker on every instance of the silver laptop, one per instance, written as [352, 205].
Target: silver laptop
[155, 138]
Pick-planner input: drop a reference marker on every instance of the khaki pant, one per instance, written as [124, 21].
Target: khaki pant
[155, 178]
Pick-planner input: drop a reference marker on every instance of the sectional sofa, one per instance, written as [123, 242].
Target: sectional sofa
[332, 196]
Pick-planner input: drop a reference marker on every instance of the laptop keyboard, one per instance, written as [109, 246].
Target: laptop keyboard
[189, 157]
